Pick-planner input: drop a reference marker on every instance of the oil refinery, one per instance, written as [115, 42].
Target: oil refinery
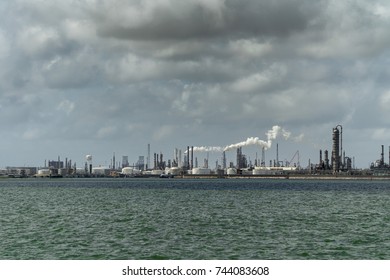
[185, 163]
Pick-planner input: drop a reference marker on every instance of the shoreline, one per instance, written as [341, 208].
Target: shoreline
[238, 177]
[289, 177]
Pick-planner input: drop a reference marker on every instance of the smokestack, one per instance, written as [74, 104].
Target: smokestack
[188, 157]
[148, 159]
[277, 154]
[382, 156]
[326, 159]
[192, 157]
[320, 157]
[262, 156]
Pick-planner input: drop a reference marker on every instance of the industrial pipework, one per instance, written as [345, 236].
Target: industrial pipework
[337, 150]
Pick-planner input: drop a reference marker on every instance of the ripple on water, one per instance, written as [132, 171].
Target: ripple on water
[194, 219]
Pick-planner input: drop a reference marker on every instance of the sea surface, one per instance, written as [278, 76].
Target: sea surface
[113, 219]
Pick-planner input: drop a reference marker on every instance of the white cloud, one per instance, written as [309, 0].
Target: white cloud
[66, 106]
[39, 40]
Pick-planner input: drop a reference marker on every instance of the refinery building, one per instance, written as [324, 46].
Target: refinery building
[185, 163]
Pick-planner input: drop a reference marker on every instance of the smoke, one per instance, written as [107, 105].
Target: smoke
[271, 135]
[251, 141]
[275, 131]
[208, 149]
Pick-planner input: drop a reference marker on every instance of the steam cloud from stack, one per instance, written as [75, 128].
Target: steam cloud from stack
[271, 135]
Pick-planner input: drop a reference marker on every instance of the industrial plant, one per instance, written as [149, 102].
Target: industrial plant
[184, 164]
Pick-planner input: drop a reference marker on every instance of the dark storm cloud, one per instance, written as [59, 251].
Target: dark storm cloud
[181, 20]
[181, 71]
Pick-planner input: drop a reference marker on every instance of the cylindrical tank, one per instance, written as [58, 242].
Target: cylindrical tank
[127, 171]
[200, 171]
[137, 171]
[173, 171]
[259, 170]
[100, 171]
[44, 172]
[231, 171]
[157, 172]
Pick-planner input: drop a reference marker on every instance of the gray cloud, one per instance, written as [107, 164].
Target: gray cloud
[202, 19]
[103, 74]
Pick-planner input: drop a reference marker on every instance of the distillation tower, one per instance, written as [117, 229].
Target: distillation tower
[337, 148]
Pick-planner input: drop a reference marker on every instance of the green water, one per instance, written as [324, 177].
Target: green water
[194, 219]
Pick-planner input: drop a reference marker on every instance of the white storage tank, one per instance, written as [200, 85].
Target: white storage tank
[259, 170]
[157, 172]
[201, 171]
[231, 171]
[127, 171]
[246, 172]
[44, 172]
[100, 171]
[173, 171]
[137, 171]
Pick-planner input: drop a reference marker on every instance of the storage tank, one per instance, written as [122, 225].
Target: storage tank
[100, 171]
[157, 172]
[260, 170]
[136, 171]
[44, 172]
[201, 171]
[173, 171]
[246, 171]
[127, 171]
[231, 171]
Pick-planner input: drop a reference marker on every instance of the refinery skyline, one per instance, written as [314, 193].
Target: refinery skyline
[100, 77]
[256, 151]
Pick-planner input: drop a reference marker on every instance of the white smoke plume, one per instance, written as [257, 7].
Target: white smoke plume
[271, 135]
[249, 142]
[208, 149]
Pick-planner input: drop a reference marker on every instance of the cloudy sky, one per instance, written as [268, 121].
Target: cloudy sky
[103, 76]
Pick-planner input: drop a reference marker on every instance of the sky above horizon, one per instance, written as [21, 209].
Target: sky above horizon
[103, 76]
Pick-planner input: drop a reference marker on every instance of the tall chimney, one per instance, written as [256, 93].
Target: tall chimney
[382, 156]
[192, 157]
[188, 157]
[326, 159]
